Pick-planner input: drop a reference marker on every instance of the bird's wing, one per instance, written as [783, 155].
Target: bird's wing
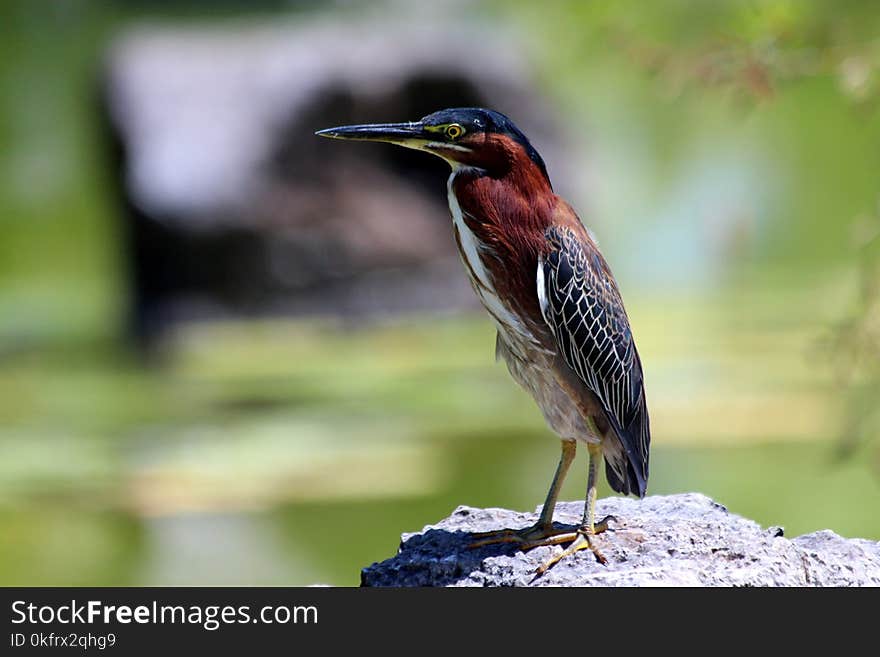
[580, 302]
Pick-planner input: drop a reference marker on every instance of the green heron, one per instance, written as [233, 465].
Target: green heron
[562, 327]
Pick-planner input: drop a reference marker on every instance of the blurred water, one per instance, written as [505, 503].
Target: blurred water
[228, 465]
[234, 550]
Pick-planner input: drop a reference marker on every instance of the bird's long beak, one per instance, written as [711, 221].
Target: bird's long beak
[410, 134]
[414, 135]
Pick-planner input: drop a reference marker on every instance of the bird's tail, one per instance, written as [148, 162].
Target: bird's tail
[626, 471]
[622, 477]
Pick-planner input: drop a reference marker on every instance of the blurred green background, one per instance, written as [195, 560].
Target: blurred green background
[285, 451]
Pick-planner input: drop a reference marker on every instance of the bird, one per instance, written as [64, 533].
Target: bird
[562, 328]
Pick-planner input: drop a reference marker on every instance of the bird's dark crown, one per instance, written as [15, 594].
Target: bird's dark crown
[486, 121]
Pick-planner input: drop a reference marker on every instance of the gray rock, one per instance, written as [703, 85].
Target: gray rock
[674, 540]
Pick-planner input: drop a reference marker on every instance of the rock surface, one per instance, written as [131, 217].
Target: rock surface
[675, 540]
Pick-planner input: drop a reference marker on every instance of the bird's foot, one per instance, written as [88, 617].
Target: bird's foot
[540, 535]
[526, 538]
[582, 539]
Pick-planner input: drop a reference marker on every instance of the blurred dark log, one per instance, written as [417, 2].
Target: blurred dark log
[232, 206]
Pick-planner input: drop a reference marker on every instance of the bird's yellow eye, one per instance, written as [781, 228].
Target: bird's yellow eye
[454, 131]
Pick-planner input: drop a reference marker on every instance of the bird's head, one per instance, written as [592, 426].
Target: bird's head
[465, 137]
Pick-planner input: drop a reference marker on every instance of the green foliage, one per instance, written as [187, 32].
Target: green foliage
[855, 346]
[797, 83]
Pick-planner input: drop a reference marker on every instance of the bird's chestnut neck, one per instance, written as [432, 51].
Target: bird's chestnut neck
[502, 158]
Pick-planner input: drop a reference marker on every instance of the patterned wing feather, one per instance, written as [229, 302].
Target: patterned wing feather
[582, 305]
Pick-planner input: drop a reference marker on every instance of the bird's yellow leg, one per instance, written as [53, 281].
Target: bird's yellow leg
[542, 530]
[583, 537]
